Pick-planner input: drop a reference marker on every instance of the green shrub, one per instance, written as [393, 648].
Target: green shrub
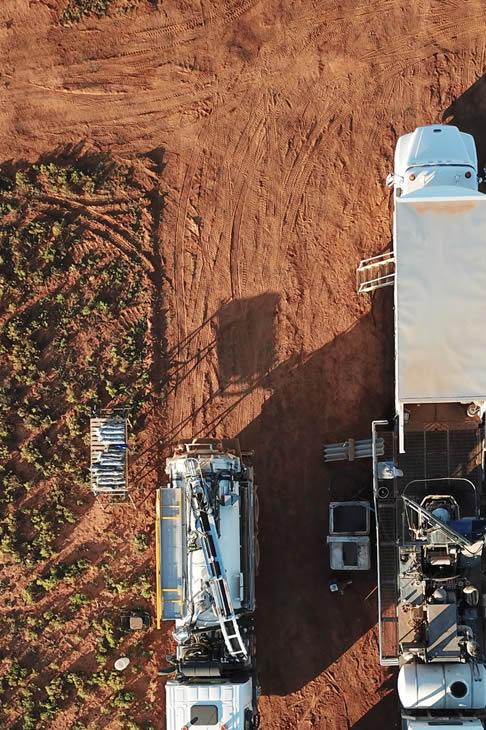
[141, 541]
[144, 584]
[123, 699]
[77, 601]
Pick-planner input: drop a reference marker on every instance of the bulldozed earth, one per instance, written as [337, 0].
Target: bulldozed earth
[186, 189]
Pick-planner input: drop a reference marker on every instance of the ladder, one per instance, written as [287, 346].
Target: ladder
[208, 534]
[375, 273]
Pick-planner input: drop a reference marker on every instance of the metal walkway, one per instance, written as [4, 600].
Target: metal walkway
[168, 542]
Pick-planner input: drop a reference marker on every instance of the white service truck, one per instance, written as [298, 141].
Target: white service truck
[428, 473]
[206, 547]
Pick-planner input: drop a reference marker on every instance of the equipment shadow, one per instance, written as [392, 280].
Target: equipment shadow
[331, 395]
[386, 707]
[468, 113]
[240, 323]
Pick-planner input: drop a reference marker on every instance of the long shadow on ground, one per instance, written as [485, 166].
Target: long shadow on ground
[334, 394]
[387, 707]
[468, 112]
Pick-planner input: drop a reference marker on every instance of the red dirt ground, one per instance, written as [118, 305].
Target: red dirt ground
[277, 122]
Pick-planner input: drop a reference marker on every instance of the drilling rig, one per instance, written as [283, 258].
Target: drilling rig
[428, 473]
[206, 559]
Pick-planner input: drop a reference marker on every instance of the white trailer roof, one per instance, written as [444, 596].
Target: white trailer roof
[440, 297]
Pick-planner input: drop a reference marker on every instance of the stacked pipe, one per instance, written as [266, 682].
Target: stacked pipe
[350, 450]
[109, 468]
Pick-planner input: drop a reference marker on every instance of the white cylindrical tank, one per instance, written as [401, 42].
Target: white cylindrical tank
[442, 686]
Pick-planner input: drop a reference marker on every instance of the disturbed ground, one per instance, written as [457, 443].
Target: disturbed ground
[259, 135]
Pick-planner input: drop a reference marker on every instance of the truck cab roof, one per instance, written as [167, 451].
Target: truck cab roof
[208, 706]
[435, 145]
[435, 157]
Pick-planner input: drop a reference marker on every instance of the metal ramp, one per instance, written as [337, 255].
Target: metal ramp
[208, 536]
[108, 455]
[375, 273]
[168, 539]
[387, 555]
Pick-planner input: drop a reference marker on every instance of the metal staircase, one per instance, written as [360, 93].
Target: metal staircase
[375, 273]
[208, 535]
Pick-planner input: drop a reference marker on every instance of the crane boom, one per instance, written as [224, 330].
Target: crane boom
[204, 518]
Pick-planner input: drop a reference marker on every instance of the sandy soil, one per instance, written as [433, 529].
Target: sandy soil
[273, 124]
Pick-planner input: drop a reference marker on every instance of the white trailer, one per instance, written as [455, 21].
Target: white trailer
[440, 298]
[428, 472]
[205, 562]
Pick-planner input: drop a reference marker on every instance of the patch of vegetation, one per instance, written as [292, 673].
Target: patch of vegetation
[144, 585]
[63, 295]
[77, 601]
[46, 582]
[78, 9]
[123, 699]
[141, 542]
[75, 329]
[38, 704]
[109, 637]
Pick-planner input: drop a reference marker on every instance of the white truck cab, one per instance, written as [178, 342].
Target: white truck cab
[434, 155]
[218, 706]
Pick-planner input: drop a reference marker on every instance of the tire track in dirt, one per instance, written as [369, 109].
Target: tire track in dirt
[180, 286]
[103, 227]
[187, 31]
[424, 42]
[298, 175]
[270, 193]
[243, 154]
[239, 163]
[122, 110]
[249, 158]
[229, 11]
[181, 391]
[339, 16]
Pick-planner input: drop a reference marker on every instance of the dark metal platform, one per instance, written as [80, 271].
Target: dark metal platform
[434, 452]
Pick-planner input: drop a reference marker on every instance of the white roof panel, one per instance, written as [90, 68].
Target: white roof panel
[230, 699]
[428, 144]
[440, 297]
